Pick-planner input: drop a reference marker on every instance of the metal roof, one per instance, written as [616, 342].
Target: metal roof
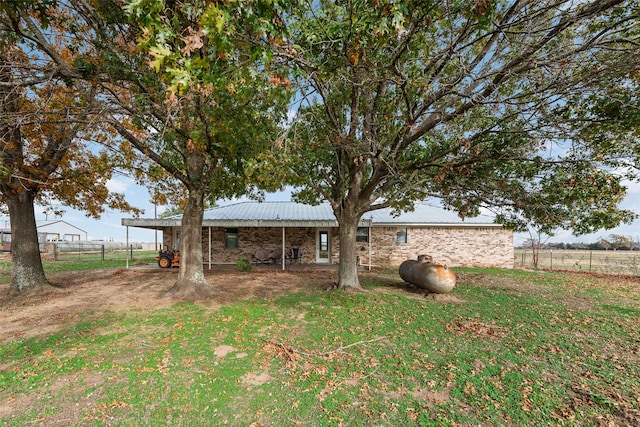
[268, 211]
[292, 214]
[425, 214]
[43, 223]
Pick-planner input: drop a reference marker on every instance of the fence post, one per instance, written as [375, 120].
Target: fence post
[131, 251]
[590, 258]
[551, 257]
[55, 252]
[102, 252]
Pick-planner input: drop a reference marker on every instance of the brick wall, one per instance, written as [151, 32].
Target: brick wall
[252, 239]
[454, 246]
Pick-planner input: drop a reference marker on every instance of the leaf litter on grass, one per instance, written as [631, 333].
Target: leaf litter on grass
[500, 350]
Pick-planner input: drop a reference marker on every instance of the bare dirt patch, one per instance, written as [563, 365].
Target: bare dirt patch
[82, 295]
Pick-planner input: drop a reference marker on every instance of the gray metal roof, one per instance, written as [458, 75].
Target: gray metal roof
[292, 214]
[425, 214]
[271, 211]
[290, 211]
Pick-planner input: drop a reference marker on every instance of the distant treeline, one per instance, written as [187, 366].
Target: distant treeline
[616, 243]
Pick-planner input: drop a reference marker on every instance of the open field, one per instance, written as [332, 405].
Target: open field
[275, 348]
[608, 262]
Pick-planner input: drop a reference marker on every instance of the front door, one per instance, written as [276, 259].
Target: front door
[323, 247]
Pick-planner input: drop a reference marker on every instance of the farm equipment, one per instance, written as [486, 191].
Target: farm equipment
[168, 259]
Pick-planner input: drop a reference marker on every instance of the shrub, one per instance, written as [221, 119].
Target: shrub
[243, 264]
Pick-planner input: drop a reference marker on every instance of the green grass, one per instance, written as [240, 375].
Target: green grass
[505, 348]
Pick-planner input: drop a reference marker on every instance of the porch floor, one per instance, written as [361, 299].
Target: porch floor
[293, 266]
[262, 267]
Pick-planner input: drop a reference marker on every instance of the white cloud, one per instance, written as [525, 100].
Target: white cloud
[118, 185]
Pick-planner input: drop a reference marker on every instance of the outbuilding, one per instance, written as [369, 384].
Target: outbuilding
[247, 229]
[48, 231]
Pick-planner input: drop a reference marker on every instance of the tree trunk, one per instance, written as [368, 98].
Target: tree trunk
[27, 272]
[348, 268]
[191, 283]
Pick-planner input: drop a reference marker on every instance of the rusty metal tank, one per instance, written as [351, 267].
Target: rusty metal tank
[425, 274]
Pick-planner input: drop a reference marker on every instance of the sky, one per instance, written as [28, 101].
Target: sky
[109, 227]
[631, 202]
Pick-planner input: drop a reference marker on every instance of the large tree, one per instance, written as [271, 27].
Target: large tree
[608, 116]
[203, 101]
[402, 101]
[48, 108]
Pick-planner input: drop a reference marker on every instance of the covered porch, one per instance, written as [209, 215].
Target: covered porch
[256, 267]
[268, 244]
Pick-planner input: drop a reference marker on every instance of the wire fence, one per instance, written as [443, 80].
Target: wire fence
[607, 262]
[94, 251]
[96, 254]
[67, 256]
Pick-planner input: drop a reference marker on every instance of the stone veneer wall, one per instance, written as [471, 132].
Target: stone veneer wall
[453, 246]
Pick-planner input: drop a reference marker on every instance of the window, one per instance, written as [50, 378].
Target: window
[362, 235]
[401, 235]
[230, 238]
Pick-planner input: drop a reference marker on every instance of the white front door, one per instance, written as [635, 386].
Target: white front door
[323, 247]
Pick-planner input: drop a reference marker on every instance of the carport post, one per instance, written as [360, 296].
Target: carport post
[126, 246]
[209, 248]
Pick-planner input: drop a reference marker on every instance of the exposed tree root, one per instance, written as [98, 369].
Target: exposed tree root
[33, 288]
[335, 286]
[191, 290]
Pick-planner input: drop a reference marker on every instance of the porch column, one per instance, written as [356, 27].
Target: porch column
[209, 248]
[370, 243]
[283, 249]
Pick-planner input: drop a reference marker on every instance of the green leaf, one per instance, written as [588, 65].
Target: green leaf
[160, 53]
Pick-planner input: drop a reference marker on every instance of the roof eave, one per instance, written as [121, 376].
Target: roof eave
[435, 224]
[151, 222]
[268, 223]
[260, 223]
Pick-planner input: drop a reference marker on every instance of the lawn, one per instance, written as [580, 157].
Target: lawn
[506, 347]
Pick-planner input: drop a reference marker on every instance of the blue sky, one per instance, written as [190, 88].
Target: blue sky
[109, 226]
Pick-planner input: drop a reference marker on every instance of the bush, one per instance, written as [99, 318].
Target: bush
[243, 264]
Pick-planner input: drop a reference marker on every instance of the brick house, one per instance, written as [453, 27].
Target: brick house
[240, 230]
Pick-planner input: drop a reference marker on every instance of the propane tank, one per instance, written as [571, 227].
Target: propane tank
[425, 274]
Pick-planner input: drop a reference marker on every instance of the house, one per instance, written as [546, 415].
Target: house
[48, 231]
[239, 230]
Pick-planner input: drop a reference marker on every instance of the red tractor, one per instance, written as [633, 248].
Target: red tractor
[168, 259]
